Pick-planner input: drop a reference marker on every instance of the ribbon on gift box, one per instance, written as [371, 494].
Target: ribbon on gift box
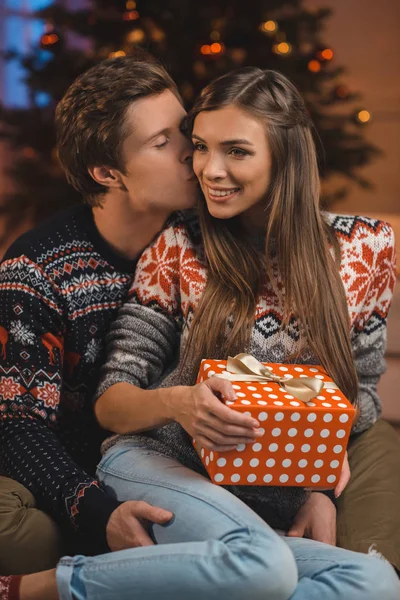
[244, 367]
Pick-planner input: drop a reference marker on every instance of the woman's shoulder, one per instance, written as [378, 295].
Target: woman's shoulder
[359, 231]
[185, 222]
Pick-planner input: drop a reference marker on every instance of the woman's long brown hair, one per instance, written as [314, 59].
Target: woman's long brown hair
[313, 291]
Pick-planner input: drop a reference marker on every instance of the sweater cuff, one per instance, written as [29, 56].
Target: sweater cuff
[95, 507]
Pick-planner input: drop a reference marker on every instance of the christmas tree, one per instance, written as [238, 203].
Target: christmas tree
[196, 41]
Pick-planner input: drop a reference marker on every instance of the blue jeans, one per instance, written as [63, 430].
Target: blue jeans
[214, 548]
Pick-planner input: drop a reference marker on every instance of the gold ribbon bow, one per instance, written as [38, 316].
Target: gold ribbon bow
[244, 367]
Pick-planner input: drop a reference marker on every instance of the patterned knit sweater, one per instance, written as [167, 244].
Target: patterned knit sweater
[169, 280]
[60, 286]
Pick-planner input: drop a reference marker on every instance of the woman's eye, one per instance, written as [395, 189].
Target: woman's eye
[238, 152]
[200, 147]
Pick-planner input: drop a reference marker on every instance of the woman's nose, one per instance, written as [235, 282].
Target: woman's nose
[214, 169]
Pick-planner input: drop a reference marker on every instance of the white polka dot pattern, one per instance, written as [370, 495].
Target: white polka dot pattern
[302, 443]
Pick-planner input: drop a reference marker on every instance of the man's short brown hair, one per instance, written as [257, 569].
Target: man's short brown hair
[90, 118]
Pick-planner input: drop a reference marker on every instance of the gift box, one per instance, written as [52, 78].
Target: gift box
[305, 420]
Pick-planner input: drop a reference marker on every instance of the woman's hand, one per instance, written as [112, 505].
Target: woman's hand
[344, 477]
[202, 413]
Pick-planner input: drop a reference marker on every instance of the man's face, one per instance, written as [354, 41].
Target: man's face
[158, 157]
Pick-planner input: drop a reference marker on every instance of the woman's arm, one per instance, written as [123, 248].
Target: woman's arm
[143, 342]
[370, 331]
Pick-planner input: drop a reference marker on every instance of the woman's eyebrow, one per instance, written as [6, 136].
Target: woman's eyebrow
[226, 142]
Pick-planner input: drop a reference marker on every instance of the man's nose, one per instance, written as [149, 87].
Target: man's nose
[187, 154]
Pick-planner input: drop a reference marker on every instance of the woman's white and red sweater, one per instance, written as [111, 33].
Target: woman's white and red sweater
[169, 281]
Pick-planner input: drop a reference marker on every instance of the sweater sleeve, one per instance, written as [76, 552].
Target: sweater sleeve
[370, 329]
[31, 350]
[144, 338]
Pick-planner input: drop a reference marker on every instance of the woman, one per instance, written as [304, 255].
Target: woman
[270, 274]
[255, 161]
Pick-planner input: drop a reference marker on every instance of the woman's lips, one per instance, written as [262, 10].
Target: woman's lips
[221, 194]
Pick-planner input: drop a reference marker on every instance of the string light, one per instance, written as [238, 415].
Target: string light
[269, 27]
[215, 48]
[282, 48]
[326, 54]
[117, 54]
[363, 116]
[136, 36]
[49, 39]
[314, 66]
[131, 15]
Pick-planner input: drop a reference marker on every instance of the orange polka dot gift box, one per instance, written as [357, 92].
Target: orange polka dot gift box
[305, 419]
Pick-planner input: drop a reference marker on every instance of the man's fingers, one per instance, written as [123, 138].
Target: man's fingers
[141, 537]
[143, 510]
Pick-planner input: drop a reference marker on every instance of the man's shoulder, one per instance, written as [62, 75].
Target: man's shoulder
[51, 238]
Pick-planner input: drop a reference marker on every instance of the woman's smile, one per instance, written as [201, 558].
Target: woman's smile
[221, 194]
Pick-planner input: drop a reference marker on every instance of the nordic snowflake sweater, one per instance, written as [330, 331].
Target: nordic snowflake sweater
[169, 281]
[60, 286]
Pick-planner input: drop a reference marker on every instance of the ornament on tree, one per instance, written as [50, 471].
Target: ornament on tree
[197, 41]
[50, 40]
[269, 27]
[363, 116]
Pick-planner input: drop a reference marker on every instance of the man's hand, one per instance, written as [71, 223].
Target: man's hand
[126, 528]
[316, 520]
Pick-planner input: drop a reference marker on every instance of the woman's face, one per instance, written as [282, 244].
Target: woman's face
[232, 162]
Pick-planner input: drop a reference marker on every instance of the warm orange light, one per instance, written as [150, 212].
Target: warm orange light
[282, 48]
[49, 39]
[136, 36]
[206, 49]
[314, 66]
[117, 54]
[131, 5]
[363, 116]
[327, 54]
[131, 15]
[270, 26]
[216, 48]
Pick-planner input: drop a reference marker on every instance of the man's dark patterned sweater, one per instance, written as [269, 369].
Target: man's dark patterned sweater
[60, 286]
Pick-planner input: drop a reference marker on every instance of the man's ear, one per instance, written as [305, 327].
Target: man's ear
[108, 177]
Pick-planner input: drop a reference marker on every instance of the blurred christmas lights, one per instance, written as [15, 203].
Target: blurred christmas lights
[363, 116]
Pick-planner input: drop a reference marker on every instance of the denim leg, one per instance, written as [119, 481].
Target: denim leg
[328, 573]
[215, 548]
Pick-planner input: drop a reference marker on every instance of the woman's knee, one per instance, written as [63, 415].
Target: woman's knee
[268, 570]
[379, 580]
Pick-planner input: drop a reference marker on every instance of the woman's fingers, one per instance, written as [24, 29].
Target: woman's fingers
[344, 477]
[221, 439]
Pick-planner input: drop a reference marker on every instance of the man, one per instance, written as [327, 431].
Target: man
[121, 146]
[60, 285]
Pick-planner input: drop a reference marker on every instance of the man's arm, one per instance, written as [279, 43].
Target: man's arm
[31, 352]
